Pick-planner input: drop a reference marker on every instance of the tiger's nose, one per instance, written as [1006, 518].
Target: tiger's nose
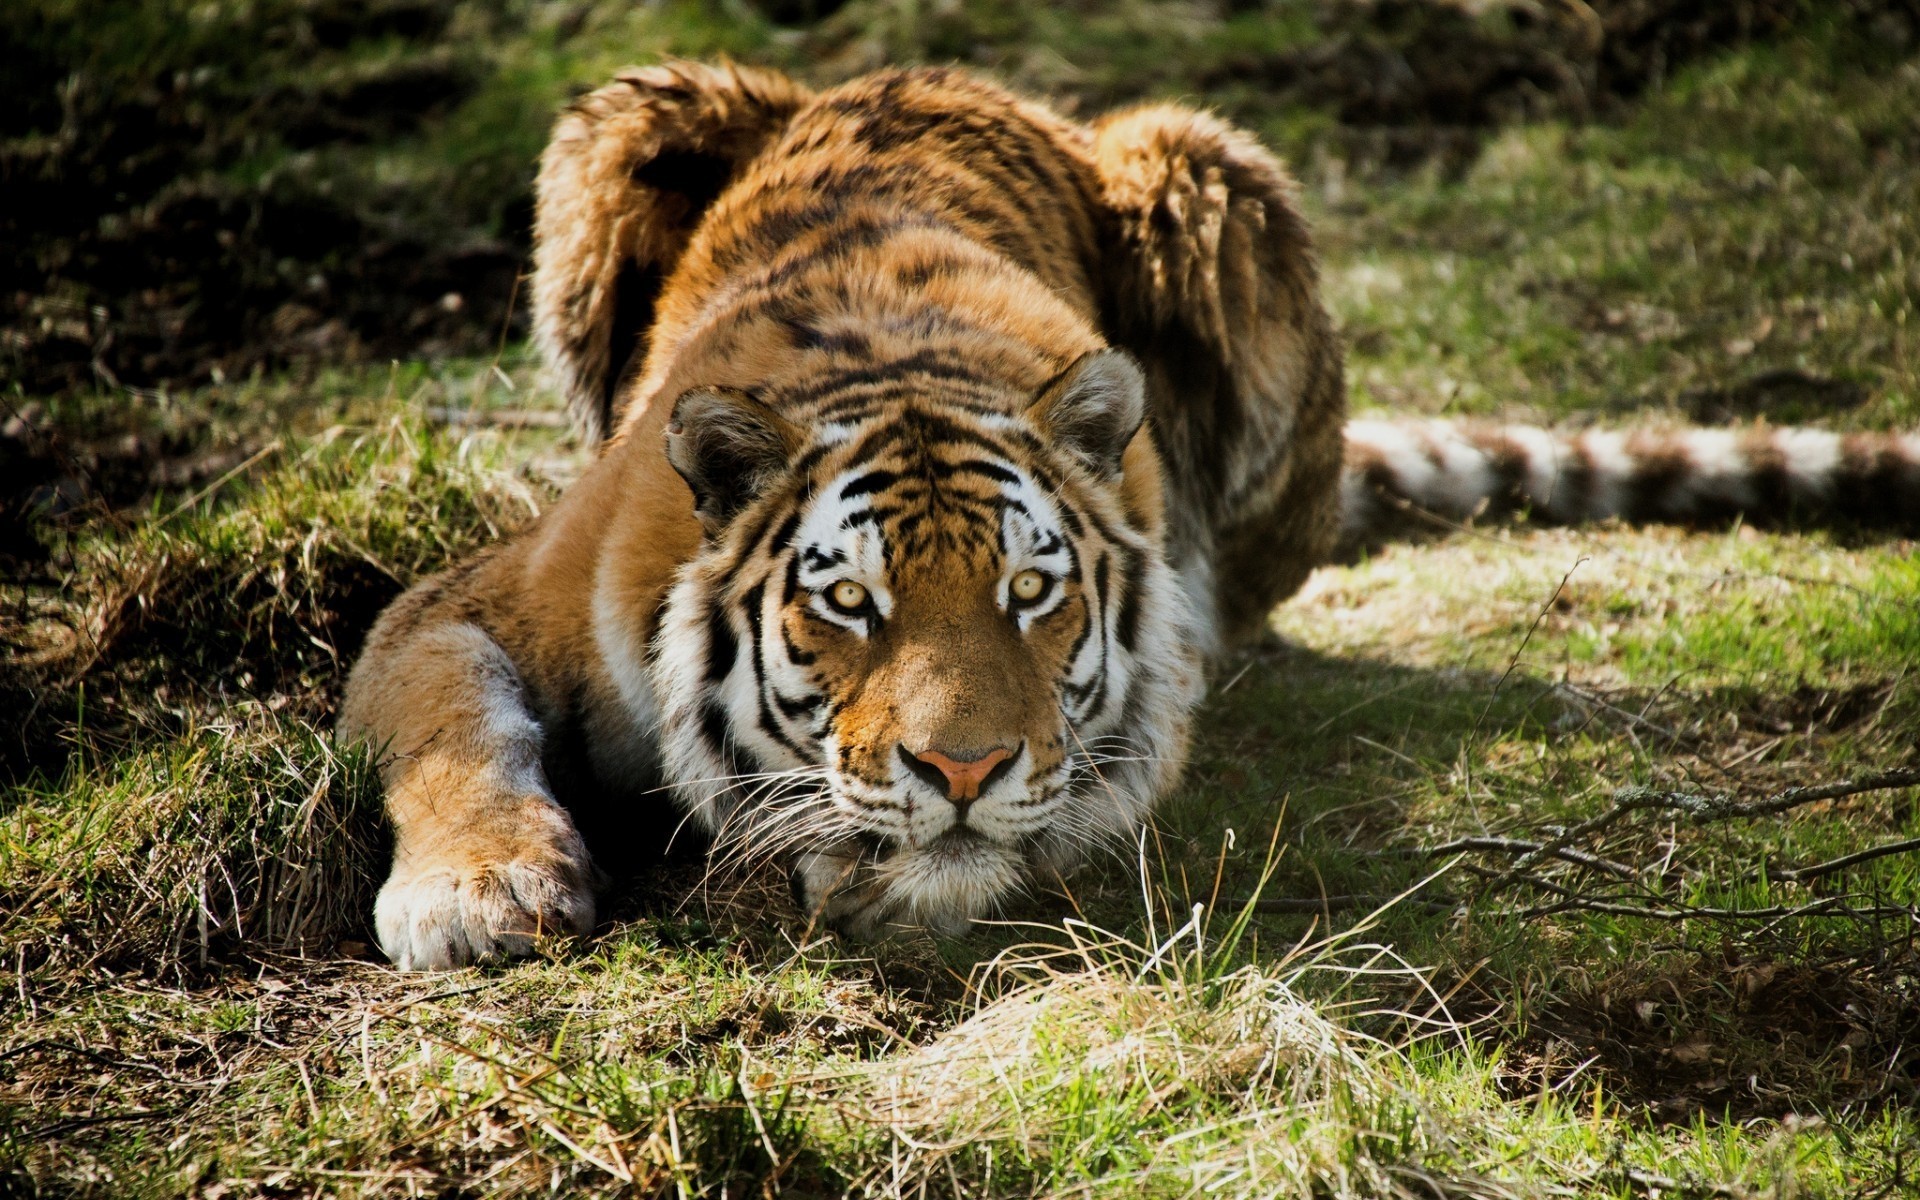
[964, 779]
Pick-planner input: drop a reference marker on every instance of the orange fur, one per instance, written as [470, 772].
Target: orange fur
[872, 335]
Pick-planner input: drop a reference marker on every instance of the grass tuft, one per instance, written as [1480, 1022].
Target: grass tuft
[242, 833]
[262, 594]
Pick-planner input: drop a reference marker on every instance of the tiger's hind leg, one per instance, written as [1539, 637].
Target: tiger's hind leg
[631, 169]
[1211, 283]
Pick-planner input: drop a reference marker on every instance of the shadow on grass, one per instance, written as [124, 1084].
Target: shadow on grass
[1339, 766]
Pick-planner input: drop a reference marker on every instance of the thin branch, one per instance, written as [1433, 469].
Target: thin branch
[1702, 809]
[1832, 906]
[1280, 905]
[1500, 845]
[1646, 904]
[1802, 874]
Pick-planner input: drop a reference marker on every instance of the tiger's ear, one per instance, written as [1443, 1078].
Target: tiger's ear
[729, 447]
[1094, 408]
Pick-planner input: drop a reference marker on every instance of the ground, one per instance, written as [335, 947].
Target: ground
[1407, 929]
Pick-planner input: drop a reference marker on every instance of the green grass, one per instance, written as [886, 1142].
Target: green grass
[186, 866]
[1755, 217]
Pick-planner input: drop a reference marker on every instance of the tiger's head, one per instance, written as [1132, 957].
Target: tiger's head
[931, 647]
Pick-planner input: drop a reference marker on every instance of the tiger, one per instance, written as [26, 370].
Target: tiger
[942, 447]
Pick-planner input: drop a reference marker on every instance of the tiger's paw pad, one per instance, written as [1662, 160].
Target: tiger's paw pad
[437, 918]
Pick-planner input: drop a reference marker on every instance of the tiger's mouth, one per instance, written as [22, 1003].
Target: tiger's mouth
[868, 880]
[957, 846]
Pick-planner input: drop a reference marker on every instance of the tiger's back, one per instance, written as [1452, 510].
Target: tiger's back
[924, 223]
[915, 221]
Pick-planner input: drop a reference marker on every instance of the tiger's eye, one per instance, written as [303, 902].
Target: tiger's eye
[847, 596]
[1028, 586]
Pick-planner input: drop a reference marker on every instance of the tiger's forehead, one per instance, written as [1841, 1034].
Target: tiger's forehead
[905, 494]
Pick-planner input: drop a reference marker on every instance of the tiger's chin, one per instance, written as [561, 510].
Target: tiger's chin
[941, 887]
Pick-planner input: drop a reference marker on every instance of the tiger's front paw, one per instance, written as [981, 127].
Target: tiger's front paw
[436, 916]
[863, 904]
[837, 892]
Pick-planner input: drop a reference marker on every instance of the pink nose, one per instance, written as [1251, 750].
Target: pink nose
[965, 776]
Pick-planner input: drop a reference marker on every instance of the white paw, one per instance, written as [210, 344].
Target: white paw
[866, 904]
[837, 893]
[438, 917]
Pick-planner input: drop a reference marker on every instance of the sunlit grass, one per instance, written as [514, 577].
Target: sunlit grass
[1755, 217]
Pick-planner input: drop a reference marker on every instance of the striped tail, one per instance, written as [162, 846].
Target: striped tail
[1405, 475]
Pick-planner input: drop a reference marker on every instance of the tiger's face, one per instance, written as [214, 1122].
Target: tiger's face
[926, 655]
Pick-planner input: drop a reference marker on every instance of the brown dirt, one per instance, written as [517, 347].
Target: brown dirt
[131, 251]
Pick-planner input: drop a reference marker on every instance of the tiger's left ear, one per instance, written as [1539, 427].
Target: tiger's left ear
[1094, 408]
[729, 447]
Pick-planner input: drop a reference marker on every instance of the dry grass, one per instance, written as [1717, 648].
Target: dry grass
[242, 834]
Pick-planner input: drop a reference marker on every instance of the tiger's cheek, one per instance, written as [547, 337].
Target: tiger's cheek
[837, 663]
[866, 730]
[1050, 640]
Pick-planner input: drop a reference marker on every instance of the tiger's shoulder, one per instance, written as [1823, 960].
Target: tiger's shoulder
[924, 218]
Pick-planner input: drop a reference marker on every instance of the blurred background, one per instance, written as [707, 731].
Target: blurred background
[196, 189]
[229, 227]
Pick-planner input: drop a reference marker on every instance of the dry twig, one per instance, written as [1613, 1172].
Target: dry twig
[1634, 894]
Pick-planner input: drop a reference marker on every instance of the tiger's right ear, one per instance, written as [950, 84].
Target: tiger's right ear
[729, 447]
[1094, 408]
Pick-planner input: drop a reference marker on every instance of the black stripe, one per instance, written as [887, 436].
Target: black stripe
[796, 709]
[1127, 625]
[972, 466]
[754, 600]
[935, 266]
[783, 536]
[922, 426]
[872, 481]
[795, 655]
[1098, 618]
[1068, 514]
[805, 464]
[1080, 641]
[757, 532]
[713, 729]
[903, 530]
[931, 361]
[865, 402]
[859, 801]
[722, 647]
